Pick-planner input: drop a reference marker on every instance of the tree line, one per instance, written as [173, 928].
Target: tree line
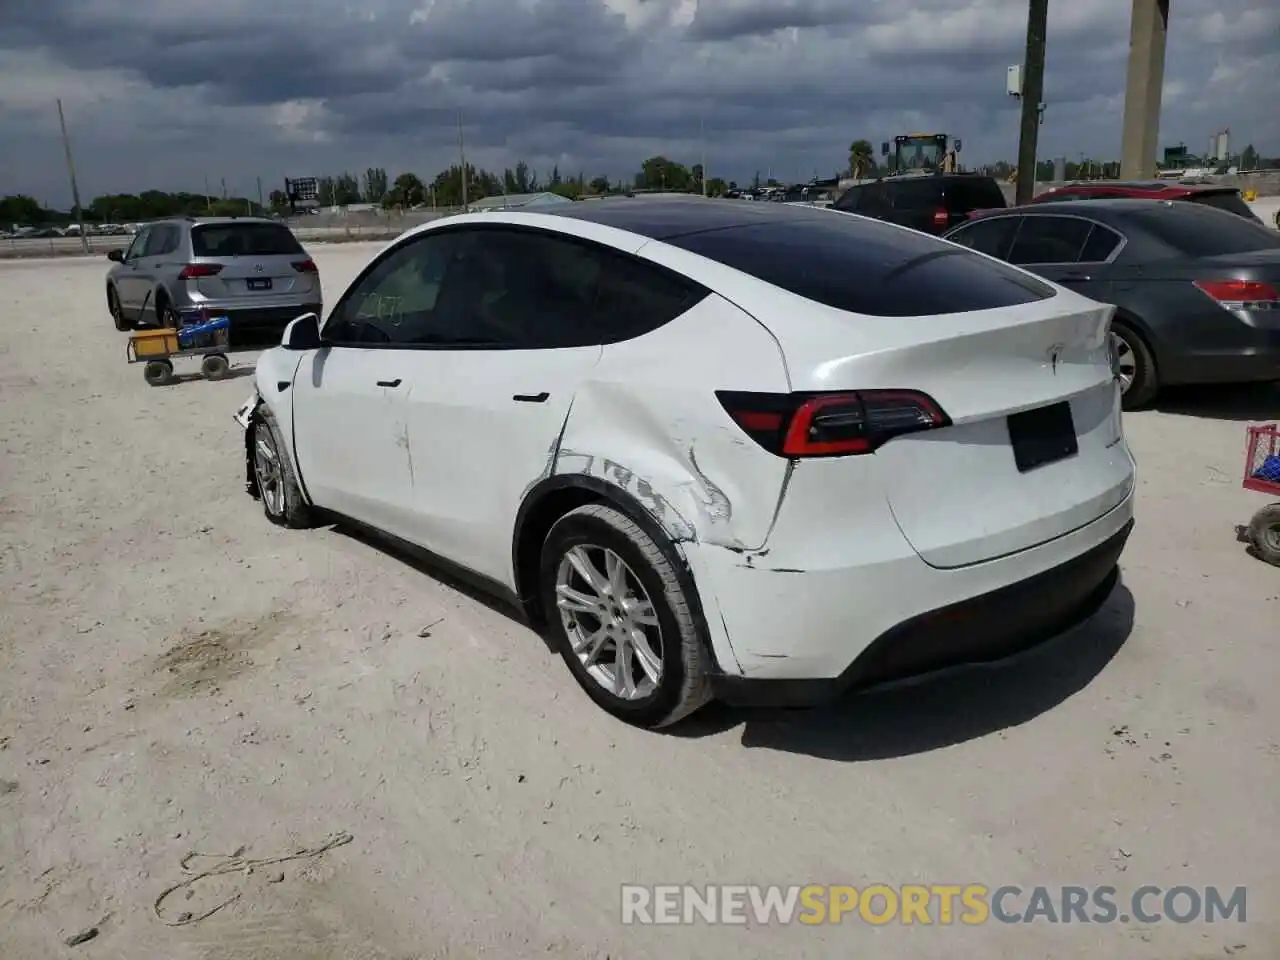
[446, 189]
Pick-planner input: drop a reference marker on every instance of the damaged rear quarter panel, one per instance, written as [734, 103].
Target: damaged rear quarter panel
[648, 421]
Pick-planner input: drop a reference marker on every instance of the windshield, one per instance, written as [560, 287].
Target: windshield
[919, 153]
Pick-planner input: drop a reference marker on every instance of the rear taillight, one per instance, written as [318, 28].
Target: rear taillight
[306, 266]
[940, 218]
[1238, 294]
[831, 424]
[193, 271]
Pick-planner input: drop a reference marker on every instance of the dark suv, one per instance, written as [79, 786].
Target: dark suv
[1210, 195]
[930, 203]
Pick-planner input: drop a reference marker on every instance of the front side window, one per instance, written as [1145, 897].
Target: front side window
[394, 303]
[501, 288]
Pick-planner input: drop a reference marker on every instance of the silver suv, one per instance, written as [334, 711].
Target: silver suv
[250, 269]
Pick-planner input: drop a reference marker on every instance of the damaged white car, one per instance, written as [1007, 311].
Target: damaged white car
[753, 451]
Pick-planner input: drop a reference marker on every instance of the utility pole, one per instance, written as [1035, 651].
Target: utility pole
[1032, 95]
[71, 172]
[462, 163]
[261, 205]
[224, 188]
[702, 133]
[208, 201]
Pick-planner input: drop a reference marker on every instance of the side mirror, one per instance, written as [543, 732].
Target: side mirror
[116, 256]
[302, 333]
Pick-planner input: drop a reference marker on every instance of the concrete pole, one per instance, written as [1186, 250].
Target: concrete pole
[1147, 33]
[71, 172]
[1032, 96]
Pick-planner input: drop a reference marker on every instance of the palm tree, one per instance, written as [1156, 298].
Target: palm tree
[861, 157]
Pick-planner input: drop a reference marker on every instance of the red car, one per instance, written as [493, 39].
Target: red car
[1211, 195]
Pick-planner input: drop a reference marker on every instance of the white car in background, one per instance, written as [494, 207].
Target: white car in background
[755, 451]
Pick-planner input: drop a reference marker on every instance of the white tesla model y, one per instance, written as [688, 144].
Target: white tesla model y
[754, 451]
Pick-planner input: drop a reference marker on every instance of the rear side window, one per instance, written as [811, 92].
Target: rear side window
[162, 239]
[1102, 243]
[913, 194]
[1229, 200]
[1050, 240]
[977, 194]
[1194, 230]
[865, 266]
[992, 237]
[243, 240]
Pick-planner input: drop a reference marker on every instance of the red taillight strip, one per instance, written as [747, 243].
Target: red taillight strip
[193, 271]
[1238, 294]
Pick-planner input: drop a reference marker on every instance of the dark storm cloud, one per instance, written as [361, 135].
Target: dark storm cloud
[729, 21]
[382, 81]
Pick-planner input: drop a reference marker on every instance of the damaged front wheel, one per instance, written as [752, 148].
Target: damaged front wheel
[277, 486]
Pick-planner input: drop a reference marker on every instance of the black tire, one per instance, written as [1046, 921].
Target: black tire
[1145, 384]
[157, 372]
[166, 316]
[1264, 533]
[117, 312]
[214, 367]
[683, 685]
[290, 510]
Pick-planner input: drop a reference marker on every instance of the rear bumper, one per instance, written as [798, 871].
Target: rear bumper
[1240, 353]
[263, 326]
[980, 629]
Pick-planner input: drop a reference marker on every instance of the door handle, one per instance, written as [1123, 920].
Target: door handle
[1076, 278]
[390, 383]
[531, 397]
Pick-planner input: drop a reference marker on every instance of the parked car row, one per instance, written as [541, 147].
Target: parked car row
[1193, 273]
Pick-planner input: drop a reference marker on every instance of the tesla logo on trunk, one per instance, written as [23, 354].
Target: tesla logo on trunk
[1054, 353]
[257, 268]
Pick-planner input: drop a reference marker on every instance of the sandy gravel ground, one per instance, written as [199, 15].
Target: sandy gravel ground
[178, 675]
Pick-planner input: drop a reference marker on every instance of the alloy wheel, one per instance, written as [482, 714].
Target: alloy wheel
[610, 621]
[266, 470]
[1125, 361]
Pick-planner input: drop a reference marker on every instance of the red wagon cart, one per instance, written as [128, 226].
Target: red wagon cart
[1262, 473]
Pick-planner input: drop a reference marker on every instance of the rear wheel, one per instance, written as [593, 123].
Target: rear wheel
[278, 487]
[1136, 366]
[214, 366]
[166, 316]
[117, 311]
[157, 372]
[1264, 533]
[619, 614]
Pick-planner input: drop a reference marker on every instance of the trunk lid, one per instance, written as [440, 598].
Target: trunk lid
[957, 493]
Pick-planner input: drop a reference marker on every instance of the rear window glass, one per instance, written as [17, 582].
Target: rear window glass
[1228, 200]
[243, 240]
[908, 194]
[977, 194]
[1197, 231]
[865, 266]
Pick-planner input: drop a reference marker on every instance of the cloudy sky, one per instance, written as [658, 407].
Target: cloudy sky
[164, 93]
